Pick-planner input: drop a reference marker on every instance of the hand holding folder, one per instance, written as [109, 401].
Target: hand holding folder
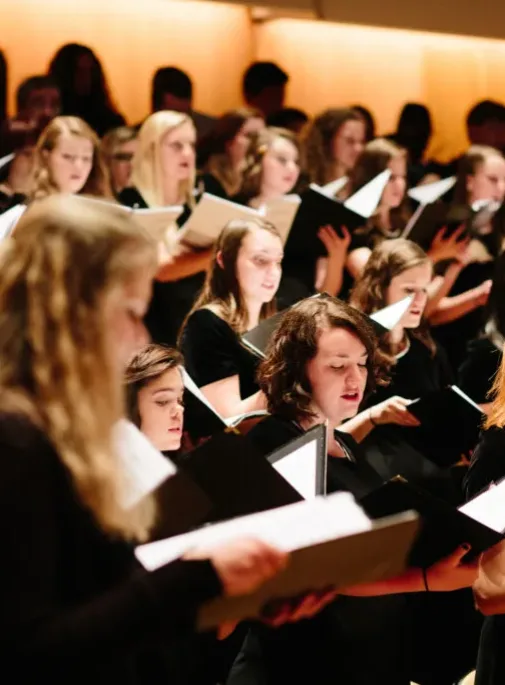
[330, 540]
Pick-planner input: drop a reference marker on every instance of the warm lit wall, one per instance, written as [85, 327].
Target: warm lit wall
[335, 64]
[330, 64]
[212, 42]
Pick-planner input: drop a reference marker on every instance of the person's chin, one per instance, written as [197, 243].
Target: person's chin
[170, 445]
[412, 321]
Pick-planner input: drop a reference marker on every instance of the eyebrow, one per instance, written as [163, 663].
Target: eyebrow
[346, 356]
[172, 390]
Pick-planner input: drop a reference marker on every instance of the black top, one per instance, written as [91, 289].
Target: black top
[76, 606]
[355, 641]
[394, 450]
[476, 374]
[171, 302]
[417, 373]
[488, 466]
[213, 351]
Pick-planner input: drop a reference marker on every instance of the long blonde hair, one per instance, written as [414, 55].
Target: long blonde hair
[97, 183]
[67, 255]
[146, 168]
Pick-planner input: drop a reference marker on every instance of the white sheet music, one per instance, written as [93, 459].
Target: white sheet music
[488, 508]
[144, 466]
[390, 316]
[431, 192]
[366, 200]
[281, 213]
[210, 216]
[299, 468]
[288, 528]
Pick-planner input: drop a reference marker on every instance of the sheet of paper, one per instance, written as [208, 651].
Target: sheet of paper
[431, 192]
[7, 159]
[365, 201]
[9, 219]
[488, 508]
[190, 385]
[460, 392]
[209, 217]
[288, 528]
[300, 469]
[281, 213]
[158, 220]
[144, 466]
[390, 316]
[235, 420]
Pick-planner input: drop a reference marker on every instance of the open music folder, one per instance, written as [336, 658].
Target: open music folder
[384, 320]
[450, 424]
[319, 209]
[331, 540]
[480, 522]
[209, 217]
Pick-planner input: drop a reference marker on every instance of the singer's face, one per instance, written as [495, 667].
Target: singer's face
[259, 266]
[177, 154]
[394, 192]
[280, 168]
[349, 143]
[338, 374]
[70, 163]
[161, 410]
[414, 281]
[488, 180]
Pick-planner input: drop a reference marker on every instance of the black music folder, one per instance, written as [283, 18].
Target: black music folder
[331, 543]
[318, 209]
[450, 425]
[443, 527]
[383, 321]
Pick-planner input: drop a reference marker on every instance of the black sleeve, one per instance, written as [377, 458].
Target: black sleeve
[444, 368]
[210, 348]
[488, 462]
[37, 623]
[213, 186]
[477, 372]
[130, 197]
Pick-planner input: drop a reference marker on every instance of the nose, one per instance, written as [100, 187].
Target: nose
[353, 377]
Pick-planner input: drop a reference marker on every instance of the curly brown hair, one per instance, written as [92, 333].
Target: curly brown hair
[147, 365]
[317, 143]
[389, 259]
[283, 373]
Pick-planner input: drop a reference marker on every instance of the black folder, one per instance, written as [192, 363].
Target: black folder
[443, 527]
[439, 215]
[238, 479]
[317, 210]
[450, 425]
[258, 338]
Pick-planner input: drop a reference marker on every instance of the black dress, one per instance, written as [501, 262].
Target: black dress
[171, 302]
[76, 606]
[354, 641]
[477, 372]
[212, 351]
[487, 467]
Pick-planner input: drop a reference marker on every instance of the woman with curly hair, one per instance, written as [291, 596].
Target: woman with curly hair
[332, 143]
[321, 361]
